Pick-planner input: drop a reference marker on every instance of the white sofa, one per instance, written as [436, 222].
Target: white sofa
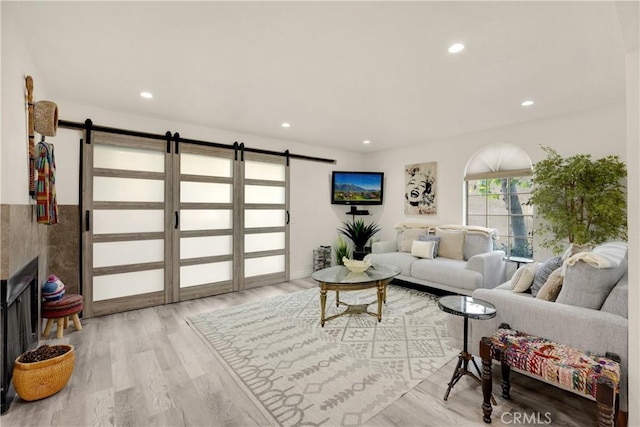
[590, 313]
[479, 267]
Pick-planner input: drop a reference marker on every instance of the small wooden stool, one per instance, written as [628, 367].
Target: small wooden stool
[67, 306]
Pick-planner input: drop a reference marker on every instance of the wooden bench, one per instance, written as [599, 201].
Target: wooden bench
[583, 373]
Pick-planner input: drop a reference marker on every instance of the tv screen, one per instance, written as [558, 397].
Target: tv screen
[357, 188]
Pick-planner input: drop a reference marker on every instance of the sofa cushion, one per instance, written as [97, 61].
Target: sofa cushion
[550, 290]
[446, 271]
[506, 286]
[543, 272]
[402, 260]
[477, 243]
[422, 249]
[617, 300]
[451, 243]
[523, 277]
[406, 236]
[430, 238]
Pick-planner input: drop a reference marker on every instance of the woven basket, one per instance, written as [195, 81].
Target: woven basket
[38, 380]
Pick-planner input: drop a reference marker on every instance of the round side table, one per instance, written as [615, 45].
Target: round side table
[469, 308]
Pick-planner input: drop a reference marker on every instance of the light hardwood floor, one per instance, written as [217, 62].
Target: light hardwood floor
[148, 368]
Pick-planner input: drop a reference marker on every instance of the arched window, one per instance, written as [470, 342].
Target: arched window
[498, 189]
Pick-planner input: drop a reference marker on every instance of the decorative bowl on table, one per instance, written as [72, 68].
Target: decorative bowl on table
[356, 266]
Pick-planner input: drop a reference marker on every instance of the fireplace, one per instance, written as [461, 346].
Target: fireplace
[19, 323]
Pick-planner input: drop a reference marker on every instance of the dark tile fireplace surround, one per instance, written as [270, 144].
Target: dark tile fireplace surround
[18, 323]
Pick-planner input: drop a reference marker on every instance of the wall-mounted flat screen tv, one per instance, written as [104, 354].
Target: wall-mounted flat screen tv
[357, 188]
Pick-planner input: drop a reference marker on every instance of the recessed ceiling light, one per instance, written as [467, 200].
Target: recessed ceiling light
[527, 103]
[366, 141]
[286, 125]
[456, 47]
[147, 95]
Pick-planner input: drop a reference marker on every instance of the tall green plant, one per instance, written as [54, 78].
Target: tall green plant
[359, 232]
[580, 200]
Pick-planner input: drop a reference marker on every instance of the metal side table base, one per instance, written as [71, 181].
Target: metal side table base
[466, 307]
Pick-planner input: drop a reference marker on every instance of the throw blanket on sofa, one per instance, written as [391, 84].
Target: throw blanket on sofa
[429, 227]
[473, 228]
[612, 257]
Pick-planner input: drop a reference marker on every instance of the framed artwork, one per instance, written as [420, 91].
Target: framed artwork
[420, 189]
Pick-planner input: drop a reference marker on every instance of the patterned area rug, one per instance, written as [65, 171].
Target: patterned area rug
[343, 374]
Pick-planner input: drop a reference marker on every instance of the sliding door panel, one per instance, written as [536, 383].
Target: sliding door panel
[204, 188]
[265, 230]
[125, 201]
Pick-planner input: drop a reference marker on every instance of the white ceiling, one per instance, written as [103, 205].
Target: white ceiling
[339, 72]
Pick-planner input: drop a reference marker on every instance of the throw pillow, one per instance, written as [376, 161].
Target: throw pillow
[422, 249]
[588, 286]
[543, 272]
[523, 277]
[408, 236]
[550, 290]
[477, 243]
[429, 238]
[451, 243]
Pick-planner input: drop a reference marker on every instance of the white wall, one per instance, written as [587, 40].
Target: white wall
[633, 146]
[16, 65]
[600, 132]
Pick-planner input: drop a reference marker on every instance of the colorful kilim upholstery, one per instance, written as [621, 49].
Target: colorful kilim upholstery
[556, 363]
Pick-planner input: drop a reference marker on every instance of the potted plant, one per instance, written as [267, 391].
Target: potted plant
[43, 372]
[359, 233]
[581, 201]
[341, 250]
